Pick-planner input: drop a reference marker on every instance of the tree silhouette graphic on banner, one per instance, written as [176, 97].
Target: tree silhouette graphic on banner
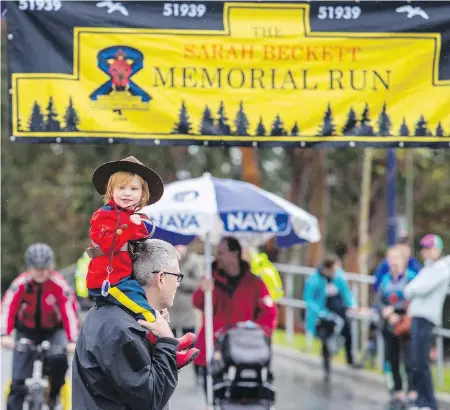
[327, 129]
[260, 129]
[404, 130]
[365, 128]
[51, 124]
[295, 129]
[278, 127]
[222, 126]
[350, 127]
[421, 128]
[71, 117]
[183, 126]
[207, 122]
[439, 130]
[241, 121]
[36, 122]
[384, 123]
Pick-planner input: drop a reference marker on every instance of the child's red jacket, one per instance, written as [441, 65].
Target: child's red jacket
[103, 226]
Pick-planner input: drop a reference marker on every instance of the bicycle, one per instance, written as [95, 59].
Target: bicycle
[37, 385]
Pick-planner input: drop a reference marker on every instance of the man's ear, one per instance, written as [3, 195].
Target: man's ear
[158, 279]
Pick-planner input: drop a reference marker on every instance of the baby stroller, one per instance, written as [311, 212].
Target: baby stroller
[241, 369]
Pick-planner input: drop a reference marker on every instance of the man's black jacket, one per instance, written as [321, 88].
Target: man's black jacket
[113, 367]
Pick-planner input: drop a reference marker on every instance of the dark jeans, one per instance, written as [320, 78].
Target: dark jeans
[56, 367]
[397, 351]
[422, 382]
[347, 335]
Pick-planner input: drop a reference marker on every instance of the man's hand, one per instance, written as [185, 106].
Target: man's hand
[71, 347]
[136, 219]
[206, 284]
[160, 327]
[387, 311]
[8, 342]
[394, 319]
[166, 315]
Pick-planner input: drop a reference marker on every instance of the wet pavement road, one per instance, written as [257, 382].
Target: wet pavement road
[299, 387]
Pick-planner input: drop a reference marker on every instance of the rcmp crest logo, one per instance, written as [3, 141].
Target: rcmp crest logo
[120, 92]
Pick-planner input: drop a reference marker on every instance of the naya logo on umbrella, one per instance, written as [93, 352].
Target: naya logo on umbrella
[176, 222]
[254, 222]
[120, 63]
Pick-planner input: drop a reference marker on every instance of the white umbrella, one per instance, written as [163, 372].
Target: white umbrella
[209, 208]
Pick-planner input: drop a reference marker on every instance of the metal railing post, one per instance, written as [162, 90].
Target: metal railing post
[354, 328]
[440, 359]
[290, 320]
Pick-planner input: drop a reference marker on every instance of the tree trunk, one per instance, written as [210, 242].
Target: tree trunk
[319, 205]
[250, 166]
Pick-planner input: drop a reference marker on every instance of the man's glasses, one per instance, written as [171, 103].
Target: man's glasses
[179, 276]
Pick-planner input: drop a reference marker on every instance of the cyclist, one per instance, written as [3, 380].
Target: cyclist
[40, 305]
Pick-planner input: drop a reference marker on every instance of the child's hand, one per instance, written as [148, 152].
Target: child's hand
[136, 219]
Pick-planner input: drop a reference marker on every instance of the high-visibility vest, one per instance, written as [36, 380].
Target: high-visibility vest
[80, 276]
[263, 268]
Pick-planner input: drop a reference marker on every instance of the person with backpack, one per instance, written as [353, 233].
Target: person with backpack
[328, 298]
[391, 305]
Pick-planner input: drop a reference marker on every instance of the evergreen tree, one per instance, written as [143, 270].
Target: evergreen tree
[51, 124]
[222, 127]
[295, 129]
[183, 126]
[260, 129]
[207, 123]
[384, 123]
[36, 122]
[421, 128]
[365, 129]
[241, 122]
[327, 129]
[350, 127]
[277, 127]
[404, 130]
[439, 130]
[19, 125]
[71, 117]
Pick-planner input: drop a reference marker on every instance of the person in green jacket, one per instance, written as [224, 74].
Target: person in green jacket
[80, 282]
[261, 266]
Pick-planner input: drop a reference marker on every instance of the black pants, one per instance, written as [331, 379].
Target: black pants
[347, 335]
[422, 382]
[397, 352]
[56, 367]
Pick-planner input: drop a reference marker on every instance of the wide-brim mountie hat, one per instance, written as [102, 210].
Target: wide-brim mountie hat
[101, 175]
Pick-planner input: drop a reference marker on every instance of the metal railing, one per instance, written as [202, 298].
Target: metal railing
[357, 318]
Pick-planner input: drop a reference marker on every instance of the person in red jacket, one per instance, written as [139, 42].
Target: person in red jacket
[127, 186]
[238, 296]
[40, 306]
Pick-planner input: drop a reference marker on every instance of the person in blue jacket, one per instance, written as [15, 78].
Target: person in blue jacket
[327, 294]
[383, 267]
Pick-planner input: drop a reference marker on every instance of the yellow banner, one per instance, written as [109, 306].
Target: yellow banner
[265, 77]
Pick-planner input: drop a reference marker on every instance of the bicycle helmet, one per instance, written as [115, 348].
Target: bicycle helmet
[39, 256]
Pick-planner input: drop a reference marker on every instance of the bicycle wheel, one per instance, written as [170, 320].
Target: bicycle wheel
[36, 402]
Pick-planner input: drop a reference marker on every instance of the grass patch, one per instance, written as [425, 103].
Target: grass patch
[300, 343]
